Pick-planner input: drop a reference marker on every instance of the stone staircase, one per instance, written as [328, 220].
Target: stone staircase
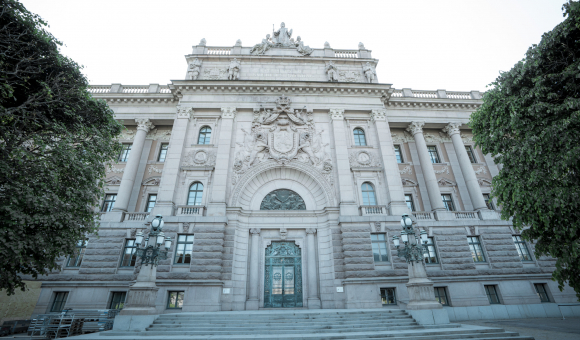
[306, 324]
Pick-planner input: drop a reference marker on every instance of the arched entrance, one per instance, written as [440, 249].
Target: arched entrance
[283, 275]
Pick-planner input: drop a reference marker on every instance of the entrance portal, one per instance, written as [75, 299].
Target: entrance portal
[283, 275]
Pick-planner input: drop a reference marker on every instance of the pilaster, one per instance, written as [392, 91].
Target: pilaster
[253, 302]
[313, 299]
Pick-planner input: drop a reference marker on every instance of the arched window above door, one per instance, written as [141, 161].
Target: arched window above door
[204, 135]
[368, 193]
[359, 137]
[283, 199]
[195, 194]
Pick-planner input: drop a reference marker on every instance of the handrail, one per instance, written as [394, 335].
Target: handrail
[190, 210]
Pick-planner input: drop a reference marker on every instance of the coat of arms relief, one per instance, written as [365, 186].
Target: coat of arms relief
[284, 135]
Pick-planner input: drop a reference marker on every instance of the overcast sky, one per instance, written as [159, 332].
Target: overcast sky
[425, 45]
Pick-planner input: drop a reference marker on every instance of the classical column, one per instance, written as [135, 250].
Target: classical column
[124, 194]
[347, 203]
[452, 129]
[392, 177]
[165, 204]
[416, 128]
[313, 300]
[253, 302]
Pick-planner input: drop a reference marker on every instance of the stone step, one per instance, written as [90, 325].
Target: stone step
[290, 321]
[259, 329]
[283, 316]
[283, 325]
[321, 318]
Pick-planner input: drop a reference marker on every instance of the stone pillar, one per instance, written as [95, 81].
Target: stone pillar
[217, 205]
[124, 194]
[313, 300]
[253, 301]
[165, 204]
[347, 202]
[420, 288]
[143, 293]
[392, 177]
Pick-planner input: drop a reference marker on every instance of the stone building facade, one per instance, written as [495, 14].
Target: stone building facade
[282, 172]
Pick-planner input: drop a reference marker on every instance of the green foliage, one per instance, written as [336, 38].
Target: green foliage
[55, 140]
[530, 122]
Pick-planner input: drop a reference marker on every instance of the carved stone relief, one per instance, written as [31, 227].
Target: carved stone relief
[349, 77]
[443, 170]
[364, 158]
[194, 69]
[283, 199]
[113, 181]
[199, 157]
[214, 73]
[115, 170]
[153, 169]
[406, 170]
[481, 170]
[405, 137]
[152, 181]
[186, 227]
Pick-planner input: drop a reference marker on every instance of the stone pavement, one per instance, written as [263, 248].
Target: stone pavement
[539, 328]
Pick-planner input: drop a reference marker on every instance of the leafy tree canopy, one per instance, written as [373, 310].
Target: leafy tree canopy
[55, 140]
[530, 123]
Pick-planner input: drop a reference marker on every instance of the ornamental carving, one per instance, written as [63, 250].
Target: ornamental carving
[185, 112]
[405, 137]
[452, 128]
[144, 124]
[363, 158]
[443, 170]
[406, 170]
[282, 199]
[336, 113]
[152, 181]
[379, 115]
[199, 157]
[349, 77]
[440, 138]
[194, 69]
[153, 169]
[415, 127]
[115, 180]
[228, 112]
[127, 135]
[481, 170]
[214, 74]
[186, 227]
[159, 135]
[115, 170]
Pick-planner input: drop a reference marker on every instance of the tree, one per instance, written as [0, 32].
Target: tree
[530, 123]
[55, 140]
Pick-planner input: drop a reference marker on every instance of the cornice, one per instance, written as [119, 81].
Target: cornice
[443, 104]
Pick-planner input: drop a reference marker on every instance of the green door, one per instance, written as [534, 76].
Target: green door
[283, 275]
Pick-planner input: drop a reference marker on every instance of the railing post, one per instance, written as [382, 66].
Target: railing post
[475, 95]
[407, 93]
[116, 88]
[154, 88]
[441, 94]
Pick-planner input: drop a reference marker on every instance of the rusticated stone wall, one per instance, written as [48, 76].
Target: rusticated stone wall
[358, 252]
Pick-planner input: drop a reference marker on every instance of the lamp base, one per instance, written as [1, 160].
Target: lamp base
[421, 296]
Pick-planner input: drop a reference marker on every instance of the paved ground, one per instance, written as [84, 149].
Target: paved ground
[541, 328]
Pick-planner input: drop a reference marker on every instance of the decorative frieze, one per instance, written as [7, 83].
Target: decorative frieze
[199, 157]
[364, 158]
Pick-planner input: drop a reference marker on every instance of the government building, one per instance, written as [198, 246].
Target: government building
[282, 172]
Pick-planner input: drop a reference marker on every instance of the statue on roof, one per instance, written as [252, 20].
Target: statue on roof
[261, 48]
[304, 50]
[282, 37]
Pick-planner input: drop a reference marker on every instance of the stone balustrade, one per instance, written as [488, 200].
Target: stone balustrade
[423, 215]
[135, 216]
[465, 215]
[373, 210]
[129, 89]
[190, 210]
[219, 50]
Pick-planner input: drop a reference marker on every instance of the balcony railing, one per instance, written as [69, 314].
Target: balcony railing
[135, 216]
[423, 215]
[465, 215]
[373, 210]
[190, 210]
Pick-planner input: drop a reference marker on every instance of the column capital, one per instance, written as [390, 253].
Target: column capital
[255, 231]
[144, 124]
[336, 113]
[185, 112]
[452, 128]
[229, 112]
[378, 114]
[311, 231]
[416, 127]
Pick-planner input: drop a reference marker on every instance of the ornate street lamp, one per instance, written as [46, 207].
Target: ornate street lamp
[151, 253]
[414, 248]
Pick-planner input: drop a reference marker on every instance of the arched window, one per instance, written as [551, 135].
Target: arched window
[283, 199]
[195, 194]
[368, 193]
[204, 135]
[359, 137]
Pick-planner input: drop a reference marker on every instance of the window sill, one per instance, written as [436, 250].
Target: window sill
[363, 146]
[206, 145]
[383, 263]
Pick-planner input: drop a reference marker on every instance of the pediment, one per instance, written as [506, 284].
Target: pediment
[445, 182]
[152, 181]
[115, 180]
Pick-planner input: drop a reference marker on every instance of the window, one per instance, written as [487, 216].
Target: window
[448, 202]
[204, 135]
[399, 154]
[124, 156]
[129, 254]
[542, 293]
[183, 249]
[117, 300]
[441, 296]
[488, 201]
[109, 202]
[359, 137]
[163, 152]
[431, 257]
[522, 248]
[368, 193]
[475, 247]
[470, 154]
[492, 296]
[433, 154]
[388, 296]
[76, 259]
[175, 300]
[379, 247]
[195, 194]
[151, 202]
[409, 201]
[59, 301]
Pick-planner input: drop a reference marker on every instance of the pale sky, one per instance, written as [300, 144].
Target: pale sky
[458, 45]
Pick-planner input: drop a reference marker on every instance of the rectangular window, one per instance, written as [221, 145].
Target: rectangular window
[488, 201]
[129, 254]
[118, 300]
[409, 201]
[125, 151]
[109, 202]
[433, 154]
[59, 301]
[183, 249]
[162, 152]
[151, 202]
[522, 248]
[399, 154]
[441, 296]
[470, 154]
[76, 259]
[542, 293]
[431, 257]
[448, 202]
[475, 247]
[175, 300]
[379, 247]
[492, 296]
[388, 296]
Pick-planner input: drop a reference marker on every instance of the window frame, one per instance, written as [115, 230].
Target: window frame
[411, 201]
[163, 148]
[437, 292]
[357, 136]
[520, 243]
[55, 300]
[430, 152]
[79, 254]
[399, 153]
[206, 135]
[384, 296]
[149, 201]
[184, 243]
[471, 154]
[112, 300]
[432, 250]
[363, 191]
[473, 249]
[545, 292]
[125, 153]
[376, 240]
[178, 292]
[488, 201]
[491, 294]
[133, 258]
[189, 191]
[450, 201]
[112, 201]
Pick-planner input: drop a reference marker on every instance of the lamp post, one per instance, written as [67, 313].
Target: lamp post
[420, 288]
[142, 294]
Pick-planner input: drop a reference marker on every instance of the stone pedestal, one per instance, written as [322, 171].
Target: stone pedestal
[142, 294]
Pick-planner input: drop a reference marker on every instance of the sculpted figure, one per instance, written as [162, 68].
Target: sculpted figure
[261, 48]
[304, 50]
[331, 72]
[369, 72]
[234, 69]
[306, 147]
[256, 142]
[194, 69]
[282, 37]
